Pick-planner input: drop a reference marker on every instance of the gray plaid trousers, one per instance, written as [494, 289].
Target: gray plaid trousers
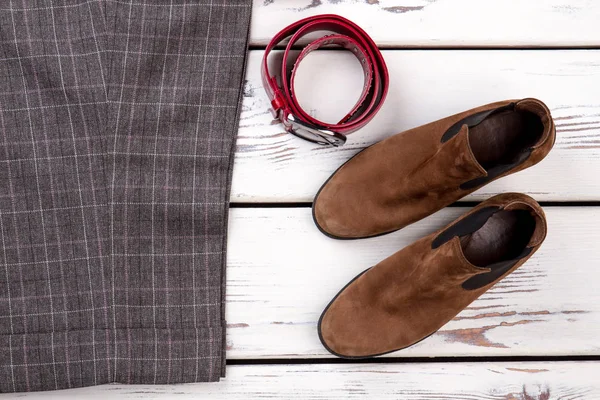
[117, 129]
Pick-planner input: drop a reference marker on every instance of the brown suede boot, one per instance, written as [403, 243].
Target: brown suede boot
[411, 175]
[414, 292]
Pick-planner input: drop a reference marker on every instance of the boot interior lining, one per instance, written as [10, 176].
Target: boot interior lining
[503, 237]
[501, 137]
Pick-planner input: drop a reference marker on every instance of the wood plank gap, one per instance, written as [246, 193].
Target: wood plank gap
[411, 360]
[449, 48]
[457, 204]
[271, 205]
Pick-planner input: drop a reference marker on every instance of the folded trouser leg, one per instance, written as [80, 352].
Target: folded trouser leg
[117, 128]
[56, 311]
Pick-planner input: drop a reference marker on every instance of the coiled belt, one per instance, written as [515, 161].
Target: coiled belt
[280, 85]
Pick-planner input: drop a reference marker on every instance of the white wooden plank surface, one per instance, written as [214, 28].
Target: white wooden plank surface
[272, 166]
[282, 272]
[435, 23]
[461, 381]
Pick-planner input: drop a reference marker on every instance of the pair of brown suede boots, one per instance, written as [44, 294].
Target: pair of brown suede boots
[413, 293]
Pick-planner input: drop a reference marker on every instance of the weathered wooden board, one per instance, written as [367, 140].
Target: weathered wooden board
[435, 23]
[282, 272]
[272, 166]
[434, 381]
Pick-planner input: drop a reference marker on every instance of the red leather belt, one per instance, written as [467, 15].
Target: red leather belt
[280, 85]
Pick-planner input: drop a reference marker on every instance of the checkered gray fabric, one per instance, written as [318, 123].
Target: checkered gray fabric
[117, 128]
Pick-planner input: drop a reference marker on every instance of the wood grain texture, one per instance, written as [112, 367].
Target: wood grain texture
[282, 272]
[435, 23]
[272, 166]
[460, 381]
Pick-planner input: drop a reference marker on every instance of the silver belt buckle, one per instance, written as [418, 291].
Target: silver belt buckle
[313, 133]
